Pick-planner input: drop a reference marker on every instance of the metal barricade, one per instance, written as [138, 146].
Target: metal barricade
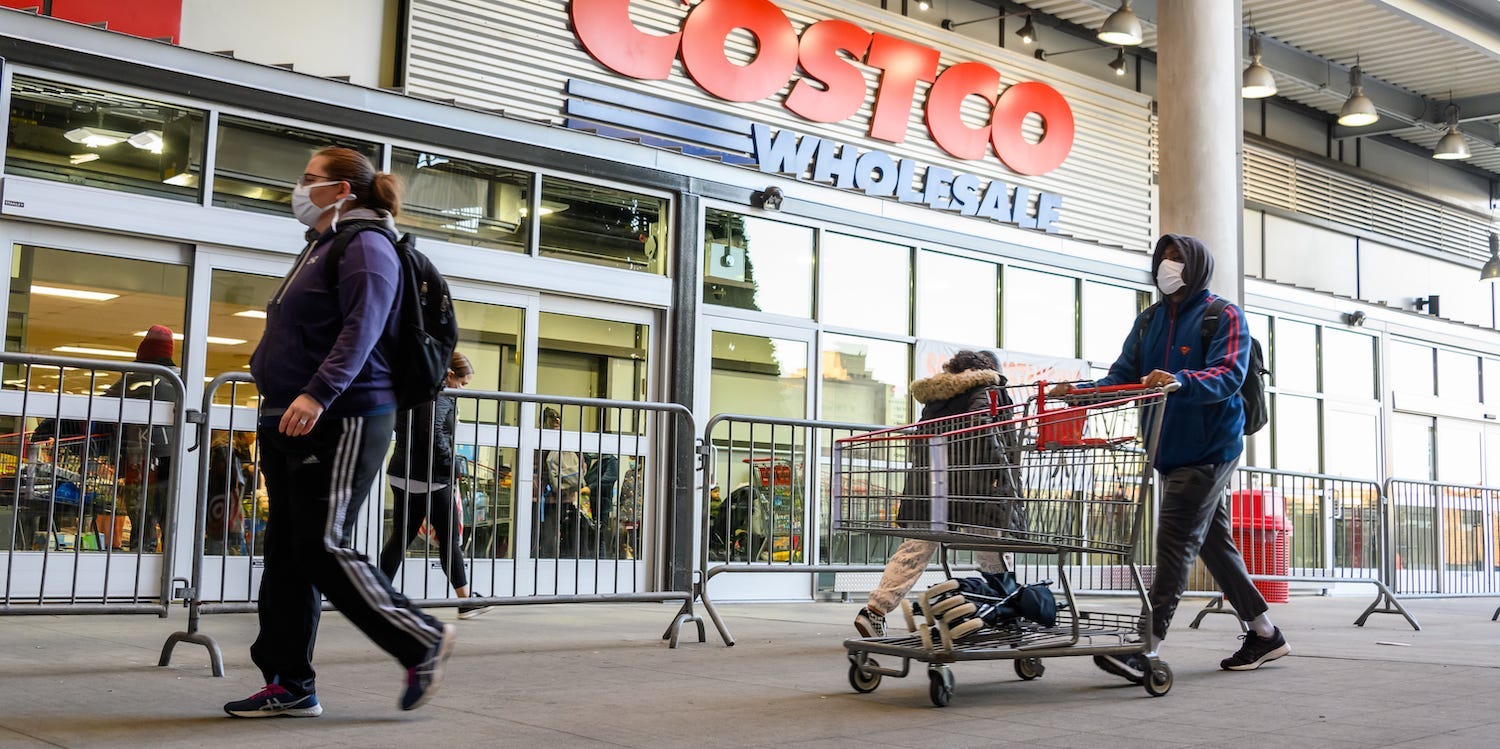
[1311, 528]
[547, 499]
[88, 492]
[1444, 539]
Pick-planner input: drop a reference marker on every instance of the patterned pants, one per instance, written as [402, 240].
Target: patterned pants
[908, 564]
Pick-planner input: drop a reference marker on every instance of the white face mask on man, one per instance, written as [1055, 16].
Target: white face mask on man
[1169, 276]
[309, 212]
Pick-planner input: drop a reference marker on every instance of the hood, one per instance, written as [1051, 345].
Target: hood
[944, 385]
[1198, 265]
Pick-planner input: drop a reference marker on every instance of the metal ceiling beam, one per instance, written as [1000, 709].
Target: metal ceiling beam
[1475, 24]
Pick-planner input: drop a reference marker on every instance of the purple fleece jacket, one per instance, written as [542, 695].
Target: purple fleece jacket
[333, 340]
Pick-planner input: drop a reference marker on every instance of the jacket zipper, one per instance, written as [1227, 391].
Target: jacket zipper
[306, 253]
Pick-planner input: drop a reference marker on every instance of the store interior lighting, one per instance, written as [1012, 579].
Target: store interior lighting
[1256, 82]
[87, 296]
[147, 140]
[1358, 110]
[1452, 145]
[1122, 27]
[1491, 269]
[95, 137]
[91, 351]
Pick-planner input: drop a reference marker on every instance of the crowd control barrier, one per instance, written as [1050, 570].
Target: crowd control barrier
[1445, 538]
[1312, 528]
[553, 500]
[88, 489]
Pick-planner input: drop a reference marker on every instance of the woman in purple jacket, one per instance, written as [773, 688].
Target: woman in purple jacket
[329, 405]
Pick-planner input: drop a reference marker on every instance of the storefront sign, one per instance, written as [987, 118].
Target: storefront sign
[878, 174]
[831, 88]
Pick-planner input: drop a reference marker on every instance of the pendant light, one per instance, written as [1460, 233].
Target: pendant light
[1452, 145]
[1257, 81]
[1122, 27]
[1358, 110]
[1491, 269]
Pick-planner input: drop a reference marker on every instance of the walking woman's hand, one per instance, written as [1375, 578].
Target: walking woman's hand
[300, 417]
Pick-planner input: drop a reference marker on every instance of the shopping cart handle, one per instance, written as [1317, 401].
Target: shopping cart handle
[1171, 387]
[1128, 388]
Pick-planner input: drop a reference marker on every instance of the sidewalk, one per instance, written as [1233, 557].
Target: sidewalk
[597, 676]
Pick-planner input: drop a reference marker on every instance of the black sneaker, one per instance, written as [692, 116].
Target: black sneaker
[1132, 668]
[422, 680]
[869, 623]
[471, 610]
[275, 701]
[1256, 651]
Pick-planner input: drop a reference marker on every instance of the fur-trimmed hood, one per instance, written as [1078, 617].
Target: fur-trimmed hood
[945, 385]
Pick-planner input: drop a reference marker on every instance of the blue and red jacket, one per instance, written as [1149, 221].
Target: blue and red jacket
[1205, 419]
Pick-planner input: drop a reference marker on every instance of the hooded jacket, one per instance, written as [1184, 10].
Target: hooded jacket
[330, 333]
[1205, 419]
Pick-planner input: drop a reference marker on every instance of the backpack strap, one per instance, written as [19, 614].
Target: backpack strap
[341, 240]
[1212, 319]
[1143, 321]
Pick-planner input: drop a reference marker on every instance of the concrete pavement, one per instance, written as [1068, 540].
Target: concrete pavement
[597, 676]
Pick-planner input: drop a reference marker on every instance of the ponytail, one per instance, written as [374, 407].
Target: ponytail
[380, 191]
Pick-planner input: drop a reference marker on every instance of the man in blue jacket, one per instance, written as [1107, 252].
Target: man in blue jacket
[1199, 448]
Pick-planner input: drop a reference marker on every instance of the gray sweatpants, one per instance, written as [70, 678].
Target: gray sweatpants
[1194, 522]
[908, 564]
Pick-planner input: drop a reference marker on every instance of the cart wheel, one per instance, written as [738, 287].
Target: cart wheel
[863, 680]
[1159, 681]
[1030, 668]
[940, 685]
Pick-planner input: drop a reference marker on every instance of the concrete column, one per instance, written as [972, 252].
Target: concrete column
[1199, 110]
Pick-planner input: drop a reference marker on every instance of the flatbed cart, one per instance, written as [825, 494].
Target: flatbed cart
[1078, 471]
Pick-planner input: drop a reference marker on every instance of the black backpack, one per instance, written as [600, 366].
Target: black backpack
[1253, 389]
[428, 329]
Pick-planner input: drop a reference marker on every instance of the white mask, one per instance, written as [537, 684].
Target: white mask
[309, 212]
[1169, 276]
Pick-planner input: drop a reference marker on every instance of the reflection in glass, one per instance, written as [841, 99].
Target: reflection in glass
[1108, 313]
[957, 300]
[237, 306]
[865, 381]
[257, 164]
[1348, 364]
[592, 358]
[464, 201]
[1355, 449]
[1461, 459]
[758, 376]
[101, 139]
[1296, 433]
[755, 264]
[1296, 356]
[1039, 312]
[1411, 447]
[490, 335]
[603, 226]
[866, 284]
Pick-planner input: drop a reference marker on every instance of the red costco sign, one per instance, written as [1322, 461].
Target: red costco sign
[831, 88]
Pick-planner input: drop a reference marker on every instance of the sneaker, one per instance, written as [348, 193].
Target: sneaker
[1132, 667]
[869, 623]
[471, 610]
[1256, 651]
[422, 680]
[275, 701]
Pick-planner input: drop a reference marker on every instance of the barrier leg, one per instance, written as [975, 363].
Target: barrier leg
[1216, 606]
[1496, 617]
[684, 615]
[192, 635]
[1385, 603]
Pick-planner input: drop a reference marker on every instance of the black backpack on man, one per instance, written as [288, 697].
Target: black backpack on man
[428, 328]
[1253, 389]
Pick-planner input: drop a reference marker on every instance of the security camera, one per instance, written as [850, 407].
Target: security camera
[1354, 319]
[769, 198]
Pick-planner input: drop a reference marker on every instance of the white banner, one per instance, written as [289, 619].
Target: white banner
[1019, 368]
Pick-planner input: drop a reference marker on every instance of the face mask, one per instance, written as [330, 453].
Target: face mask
[1169, 276]
[306, 210]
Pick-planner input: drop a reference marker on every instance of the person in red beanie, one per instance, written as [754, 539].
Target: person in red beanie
[156, 347]
[145, 452]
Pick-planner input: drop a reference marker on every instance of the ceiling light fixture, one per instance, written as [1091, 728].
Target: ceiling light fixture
[1027, 32]
[89, 351]
[1358, 110]
[1491, 269]
[1452, 145]
[82, 158]
[258, 314]
[924, 5]
[147, 140]
[210, 339]
[1118, 64]
[1122, 27]
[95, 137]
[1256, 82]
[89, 296]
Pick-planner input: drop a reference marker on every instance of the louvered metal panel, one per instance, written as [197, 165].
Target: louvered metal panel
[518, 57]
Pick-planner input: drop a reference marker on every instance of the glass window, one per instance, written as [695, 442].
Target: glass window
[1355, 449]
[256, 164]
[100, 139]
[1260, 330]
[1296, 356]
[1108, 313]
[758, 375]
[1411, 447]
[1039, 313]
[603, 226]
[1296, 434]
[866, 284]
[591, 358]
[1411, 368]
[957, 300]
[1492, 385]
[1458, 376]
[1460, 451]
[91, 306]
[490, 336]
[865, 381]
[751, 263]
[464, 201]
[1348, 364]
[237, 319]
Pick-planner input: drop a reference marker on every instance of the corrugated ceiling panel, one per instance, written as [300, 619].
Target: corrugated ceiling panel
[517, 57]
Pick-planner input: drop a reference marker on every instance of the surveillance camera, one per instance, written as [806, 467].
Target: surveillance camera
[1354, 319]
[769, 198]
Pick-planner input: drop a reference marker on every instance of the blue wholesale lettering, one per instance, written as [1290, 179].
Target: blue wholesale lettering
[880, 175]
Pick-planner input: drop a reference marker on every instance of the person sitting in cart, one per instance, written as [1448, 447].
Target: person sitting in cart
[962, 387]
[1199, 448]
